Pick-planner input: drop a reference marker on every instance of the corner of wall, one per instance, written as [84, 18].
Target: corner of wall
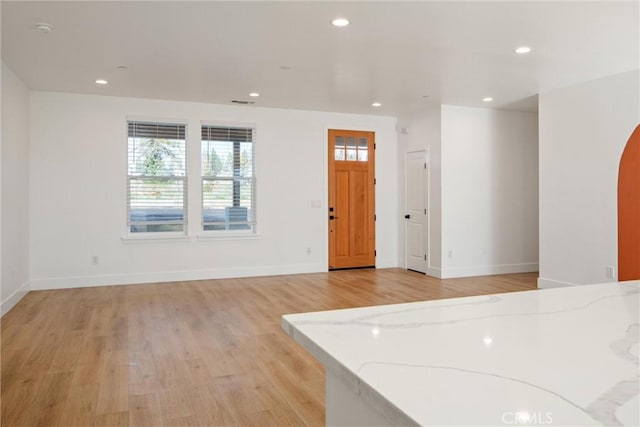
[434, 272]
[1, 73]
[9, 302]
[388, 263]
[14, 200]
[549, 283]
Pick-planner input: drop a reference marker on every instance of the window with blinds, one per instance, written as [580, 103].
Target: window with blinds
[228, 178]
[157, 184]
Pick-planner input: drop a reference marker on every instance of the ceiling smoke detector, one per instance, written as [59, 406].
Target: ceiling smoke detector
[43, 27]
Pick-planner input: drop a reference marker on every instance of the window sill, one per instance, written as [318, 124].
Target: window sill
[224, 235]
[155, 238]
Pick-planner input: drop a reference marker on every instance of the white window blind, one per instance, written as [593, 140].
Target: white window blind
[228, 178]
[157, 185]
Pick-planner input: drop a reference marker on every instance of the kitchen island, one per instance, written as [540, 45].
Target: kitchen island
[559, 357]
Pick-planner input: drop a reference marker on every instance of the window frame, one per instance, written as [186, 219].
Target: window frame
[159, 235]
[253, 222]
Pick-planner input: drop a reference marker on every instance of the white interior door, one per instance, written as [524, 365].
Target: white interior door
[416, 213]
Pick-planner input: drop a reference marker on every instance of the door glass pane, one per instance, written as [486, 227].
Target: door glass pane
[351, 149]
[339, 148]
[363, 154]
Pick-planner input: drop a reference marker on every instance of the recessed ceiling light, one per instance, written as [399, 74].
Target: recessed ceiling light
[43, 27]
[340, 22]
[487, 99]
[376, 104]
[101, 82]
[522, 50]
[254, 94]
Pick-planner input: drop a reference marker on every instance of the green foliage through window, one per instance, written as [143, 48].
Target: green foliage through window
[228, 181]
[157, 177]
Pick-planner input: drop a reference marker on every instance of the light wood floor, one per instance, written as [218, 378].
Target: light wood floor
[189, 353]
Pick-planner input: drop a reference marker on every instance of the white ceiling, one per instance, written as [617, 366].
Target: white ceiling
[393, 52]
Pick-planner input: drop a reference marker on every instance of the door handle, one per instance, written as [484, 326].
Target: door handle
[333, 217]
[407, 216]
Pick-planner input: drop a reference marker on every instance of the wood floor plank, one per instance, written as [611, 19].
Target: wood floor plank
[118, 419]
[113, 393]
[145, 411]
[201, 353]
[47, 407]
[80, 407]
[24, 387]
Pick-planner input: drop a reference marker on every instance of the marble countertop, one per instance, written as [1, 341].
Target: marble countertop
[561, 357]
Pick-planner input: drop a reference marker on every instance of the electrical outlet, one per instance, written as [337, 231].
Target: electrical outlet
[308, 251]
[94, 259]
[450, 254]
[611, 272]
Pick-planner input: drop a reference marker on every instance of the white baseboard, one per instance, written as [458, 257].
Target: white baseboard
[548, 283]
[386, 263]
[434, 272]
[172, 276]
[488, 270]
[9, 302]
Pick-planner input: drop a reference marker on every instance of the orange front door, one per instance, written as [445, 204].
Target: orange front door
[351, 199]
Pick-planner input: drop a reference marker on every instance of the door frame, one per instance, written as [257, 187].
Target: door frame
[325, 172]
[427, 240]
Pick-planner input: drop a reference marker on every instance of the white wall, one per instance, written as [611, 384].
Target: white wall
[78, 193]
[483, 188]
[15, 189]
[422, 133]
[583, 130]
[489, 191]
